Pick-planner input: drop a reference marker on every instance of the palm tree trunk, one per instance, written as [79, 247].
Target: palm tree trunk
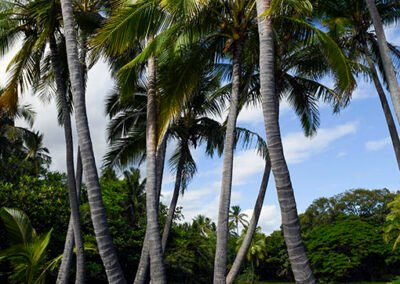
[73, 197]
[97, 210]
[144, 263]
[227, 168]
[157, 270]
[386, 110]
[66, 261]
[244, 248]
[270, 105]
[390, 74]
[172, 206]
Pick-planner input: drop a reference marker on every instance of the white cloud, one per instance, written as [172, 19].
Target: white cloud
[375, 145]
[253, 114]
[364, 91]
[298, 148]
[245, 164]
[342, 154]
[98, 86]
[270, 219]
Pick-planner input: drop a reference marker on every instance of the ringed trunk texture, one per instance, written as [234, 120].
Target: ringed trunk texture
[226, 186]
[157, 269]
[98, 214]
[144, 263]
[75, 229]
[386, 110]
[244, 248]
[390, 74]
[66, 261]
[270, 105]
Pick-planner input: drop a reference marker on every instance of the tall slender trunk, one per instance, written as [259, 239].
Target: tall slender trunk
[73, 197]
[172, 206]
[221, 253]
[157, 270]
[244, 248]
[144, 263]
[270, 105]
[386, 110]
[66, 261]
[390, 74]
[97, 210]
[63, 275]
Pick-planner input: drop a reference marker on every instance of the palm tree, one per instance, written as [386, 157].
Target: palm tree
[38, 22]
[384, 51]
[247, 237]
[362, 46]
[257, 250]
[270, 105]
[236, 216]
[104, 241]
[33, 142]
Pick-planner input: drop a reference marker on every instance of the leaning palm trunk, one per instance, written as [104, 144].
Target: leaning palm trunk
[270, 105]
[244, 248]
[97, 210]
[390, 74]
[66, 261]
[172, 206]
[227, 168]
[144, 263]
[157, 270]
[386, 110]
[73, 197]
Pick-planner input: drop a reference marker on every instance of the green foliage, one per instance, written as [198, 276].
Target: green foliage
[27, 251]
[347, 249]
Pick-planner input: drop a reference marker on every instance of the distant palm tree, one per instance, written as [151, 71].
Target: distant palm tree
[237, 217]
[35, 151]
[257, 250]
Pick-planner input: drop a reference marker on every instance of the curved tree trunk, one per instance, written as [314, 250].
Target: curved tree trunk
[270, 105]
[390, 74]
[144, 263]
[227, 168]
[97, 210]
[172, 206]
[386, 110]
[244, 248]
[73, 197]
[157, 270]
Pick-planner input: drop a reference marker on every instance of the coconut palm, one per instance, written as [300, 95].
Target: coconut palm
[353, 34]
[384, 52]
[270, 104]
[106, 248]
[237, 217]
[40, 18]
[257, 250]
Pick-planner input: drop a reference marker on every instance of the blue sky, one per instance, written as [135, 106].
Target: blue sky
[351, 150]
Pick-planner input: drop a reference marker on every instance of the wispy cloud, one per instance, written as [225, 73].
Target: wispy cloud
[375, 145]
[299, 148]
[270, 219]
